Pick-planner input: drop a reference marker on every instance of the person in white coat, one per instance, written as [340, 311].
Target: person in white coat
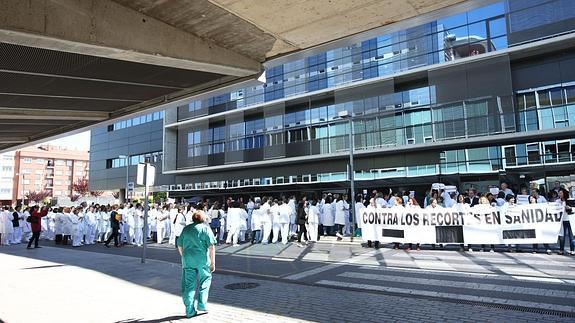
[328, 217]
[59, 225]
[152, 223]
[103, 224]
[6, 228]
[243, 224]
[129, 224]
[139, 225]
[68, 226]
[292, 219]
[90, 225]
[234, 222]
[76, 218]
[179, 223]
[27, 228]
[256, 223]
[266, 220]
[161, 220]
[276, 226]
[313, 221]
[283, 222]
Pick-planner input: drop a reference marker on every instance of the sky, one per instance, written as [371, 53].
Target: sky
[79, 141]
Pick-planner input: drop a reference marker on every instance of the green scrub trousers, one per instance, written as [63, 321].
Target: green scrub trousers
[194, 279]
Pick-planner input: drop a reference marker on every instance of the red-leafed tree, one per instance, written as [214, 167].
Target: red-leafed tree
[75, 197]
[38, 196]
[96, 193]
[81, 186]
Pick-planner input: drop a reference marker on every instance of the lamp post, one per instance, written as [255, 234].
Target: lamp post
[346, 115]
[22, 182]
[126, 157]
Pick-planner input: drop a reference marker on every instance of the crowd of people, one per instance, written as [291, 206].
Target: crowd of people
[251, 220]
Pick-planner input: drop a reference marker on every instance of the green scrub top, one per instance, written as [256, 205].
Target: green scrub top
[195, 241]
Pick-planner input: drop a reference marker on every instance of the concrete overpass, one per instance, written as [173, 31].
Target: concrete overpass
[66, 65]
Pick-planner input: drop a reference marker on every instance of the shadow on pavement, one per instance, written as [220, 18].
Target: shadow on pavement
[161, 320]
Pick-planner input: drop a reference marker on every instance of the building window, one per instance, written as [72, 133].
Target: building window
[27, 160]
[60, 162]
[27, 171]
[6, 168]
[26, 182]
[40, 161]
[69, 163]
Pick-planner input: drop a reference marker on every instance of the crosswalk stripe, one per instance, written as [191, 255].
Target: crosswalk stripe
[511, 270]
[437, 272]
[460, 285]
[321, 269]
[473, 298]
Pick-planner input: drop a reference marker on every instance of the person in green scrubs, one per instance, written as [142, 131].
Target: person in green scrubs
[196, 244]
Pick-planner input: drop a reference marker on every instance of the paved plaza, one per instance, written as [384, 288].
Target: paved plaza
[326, 282]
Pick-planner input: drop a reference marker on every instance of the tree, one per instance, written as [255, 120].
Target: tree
[75, 197]
[81, 186]
[116, 195]
[38, 196]
[96, 193]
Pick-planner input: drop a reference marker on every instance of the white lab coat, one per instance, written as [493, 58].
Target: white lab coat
[256, 223]
[327, 216]
[180, 224]
[357, 215]
[75, 220]
[67, 224]
[340, 207]
[267, 222]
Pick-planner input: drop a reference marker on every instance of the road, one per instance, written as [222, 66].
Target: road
[333, 281]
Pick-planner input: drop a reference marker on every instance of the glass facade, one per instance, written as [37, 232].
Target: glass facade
[134, 159]
[136, 121]
[298, 111]
[484, 160]
[471, 33]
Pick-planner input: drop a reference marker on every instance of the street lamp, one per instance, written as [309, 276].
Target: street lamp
[126, 157]
[22, 182]
[346, 115]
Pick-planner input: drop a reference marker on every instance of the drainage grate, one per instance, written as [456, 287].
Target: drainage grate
[517, 308]
[242, 285]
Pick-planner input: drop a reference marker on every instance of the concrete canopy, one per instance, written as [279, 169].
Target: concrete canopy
[72, 64]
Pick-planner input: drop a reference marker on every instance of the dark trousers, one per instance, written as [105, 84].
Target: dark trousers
[216, 232]
[302, 230]
[35, 237]
[114, 236]
[65, 239]
[58, 239]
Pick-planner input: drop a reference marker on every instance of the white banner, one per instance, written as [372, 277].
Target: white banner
[481, 224]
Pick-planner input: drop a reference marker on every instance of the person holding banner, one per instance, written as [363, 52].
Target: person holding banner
[412, 203]
[566, 230]
[533, 200]
[370, 244]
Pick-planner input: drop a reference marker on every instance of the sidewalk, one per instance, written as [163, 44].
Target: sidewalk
[77, 286]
